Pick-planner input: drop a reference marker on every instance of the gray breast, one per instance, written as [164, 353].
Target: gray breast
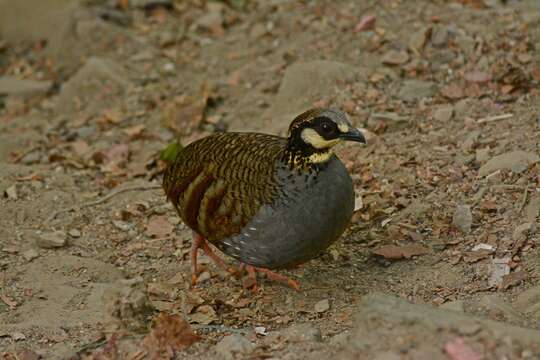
[311, 212]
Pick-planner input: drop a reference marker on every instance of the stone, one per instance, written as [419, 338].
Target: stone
[33, 157]
[74, 233]
[532, 210]
[439, 35]
[470, 140]
[499, 309]
[528, 302]
[147, 4]
[302, 85]
[395, 57]
[322, 306]
[302, 332]
[482, 155]
[30, 254]
[88, 84]
[414, 90]
[456, 305]
[516, 161]
[51, 240]
[462, 218]
[24, 88]
[233, 346]
[444, 113]
[382, 316]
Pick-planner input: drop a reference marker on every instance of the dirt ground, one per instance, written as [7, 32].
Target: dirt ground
[442, 260]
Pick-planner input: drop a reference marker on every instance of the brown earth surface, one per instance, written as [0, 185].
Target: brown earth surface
[442, 260]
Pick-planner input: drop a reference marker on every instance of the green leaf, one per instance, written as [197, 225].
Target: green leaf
[171, 151]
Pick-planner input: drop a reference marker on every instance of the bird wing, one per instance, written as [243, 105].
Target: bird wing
[218, 183]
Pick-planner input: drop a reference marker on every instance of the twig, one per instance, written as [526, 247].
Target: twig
[103, 199]
[23, 154]
[494, 118]
[524, 199]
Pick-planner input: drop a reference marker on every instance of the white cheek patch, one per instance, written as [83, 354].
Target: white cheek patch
[344, 128]
[312, 138]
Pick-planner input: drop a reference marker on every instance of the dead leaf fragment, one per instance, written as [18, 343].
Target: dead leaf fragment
[159, 227]
[183, 114]
[366, 23]
[400, 252]
[170, 333]
[457, 349]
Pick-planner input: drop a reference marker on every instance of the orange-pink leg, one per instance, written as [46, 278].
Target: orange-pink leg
[252, 277]
[199, 242]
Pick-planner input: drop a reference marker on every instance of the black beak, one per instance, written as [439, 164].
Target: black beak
[353, 135]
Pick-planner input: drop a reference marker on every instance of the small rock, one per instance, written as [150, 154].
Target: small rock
[417, 39]
[31, 158]
[302, 332]
[11, 192]
[234, 345]
[51, 240]
[23, 88]
[74, 233]
[499, 268]
[516, 161]
[211, 21]
[30, 254]
[497, 308]
[394, 57]
[444, 113]
[122, 225]
[528, 302]
[482, 155]
[148, 4]
[462, 218]
[414, 90]
[470, 140]
[322, 306]
[456, 305]
[522, 231]
[439, 36]
[532, 210]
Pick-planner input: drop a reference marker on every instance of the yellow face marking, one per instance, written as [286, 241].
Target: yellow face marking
[312, 138]
[344, 128]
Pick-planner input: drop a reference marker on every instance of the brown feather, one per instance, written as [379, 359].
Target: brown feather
[218, 183]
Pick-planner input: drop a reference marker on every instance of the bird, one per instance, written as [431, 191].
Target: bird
[268, 201]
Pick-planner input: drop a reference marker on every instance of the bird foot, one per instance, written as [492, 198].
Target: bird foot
[200, 242]
[251, 280]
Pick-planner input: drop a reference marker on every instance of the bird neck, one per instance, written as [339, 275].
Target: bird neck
[304, 156]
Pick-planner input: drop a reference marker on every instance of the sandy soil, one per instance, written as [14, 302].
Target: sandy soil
[448, 92]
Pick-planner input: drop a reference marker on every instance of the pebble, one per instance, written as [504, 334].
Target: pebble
[33, 157]
[51, 240]
[439, 36]
[234, 345]
[11, 192]
[302, 332]
[30, 254]
[462, 218]
[122, 225]
[322, 306]
[482, 155]
[497, 307]
[528, 302]
[414, 90]
[74, 233]
[10, 85]
[516, 161]
[444, 113]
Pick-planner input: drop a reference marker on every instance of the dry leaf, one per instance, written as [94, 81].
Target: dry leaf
[170, 334]
[184, 114]
[366, 23]
[400, 252]
[452, 91]
[159, 227]
[134, 131]
[457, 349]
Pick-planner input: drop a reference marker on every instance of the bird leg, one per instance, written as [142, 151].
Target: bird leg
[199, 242]
[252, 277]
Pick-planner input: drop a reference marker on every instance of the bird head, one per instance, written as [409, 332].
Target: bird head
[315, 132]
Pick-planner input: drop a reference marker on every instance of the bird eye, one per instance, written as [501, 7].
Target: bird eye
[326, 127]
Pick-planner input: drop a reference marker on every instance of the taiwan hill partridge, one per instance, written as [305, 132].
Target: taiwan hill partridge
[268, 201]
